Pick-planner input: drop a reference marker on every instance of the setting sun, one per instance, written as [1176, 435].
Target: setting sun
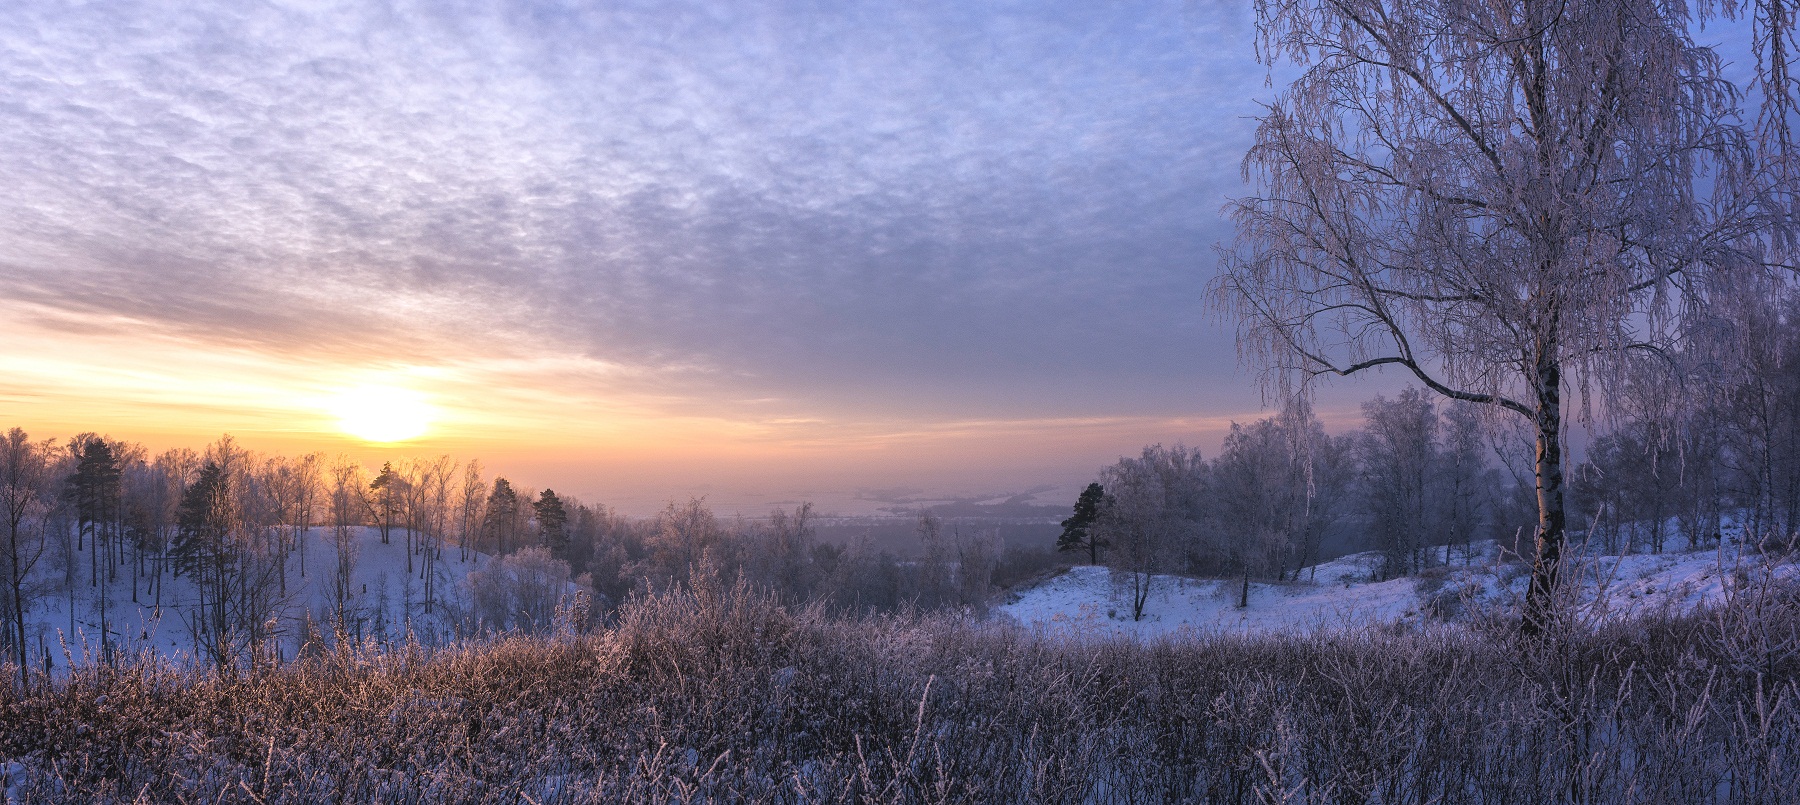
[382, 413]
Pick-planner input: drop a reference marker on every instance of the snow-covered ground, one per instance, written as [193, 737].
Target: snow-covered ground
[1091, 601]
[388, 601]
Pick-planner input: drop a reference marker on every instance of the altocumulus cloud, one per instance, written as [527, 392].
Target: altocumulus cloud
[957, 209]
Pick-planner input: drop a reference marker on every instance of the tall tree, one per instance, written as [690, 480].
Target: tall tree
[24, 489]
[469, 509]
[553, 524]
[1462, 476]
[1078, 531]
[95, 489]
[1498, 199]
[1153, 509]
[346, 508]
[1400, 465]
[207, 554]
[386, 497]
[502, 514]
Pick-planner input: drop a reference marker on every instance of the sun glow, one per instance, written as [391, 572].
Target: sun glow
[382, 413]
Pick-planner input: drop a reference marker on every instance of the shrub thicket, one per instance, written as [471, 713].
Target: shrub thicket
[724, 695]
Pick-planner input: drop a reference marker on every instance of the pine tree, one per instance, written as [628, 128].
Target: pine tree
[203, 524]
[502, 507]
[204, 552]
[1077, 534]
[553, 522]
[387, 488]
[94, 489]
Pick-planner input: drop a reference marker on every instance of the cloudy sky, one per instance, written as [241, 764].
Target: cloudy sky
[631, 250]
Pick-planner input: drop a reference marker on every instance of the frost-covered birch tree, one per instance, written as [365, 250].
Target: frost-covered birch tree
[1153, 509]
[24, 496]
[1499, 199]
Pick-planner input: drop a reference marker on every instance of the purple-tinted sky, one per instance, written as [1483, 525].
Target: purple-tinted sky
[758, 234]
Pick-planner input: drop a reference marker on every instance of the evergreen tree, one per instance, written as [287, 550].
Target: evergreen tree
[1077, 534]
[502, 508]
[204, 551]
[202, 540]
[553, 524]
[94, 489]
[387, 488]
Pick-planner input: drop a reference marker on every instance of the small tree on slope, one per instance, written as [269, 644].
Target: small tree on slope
[1078, 533]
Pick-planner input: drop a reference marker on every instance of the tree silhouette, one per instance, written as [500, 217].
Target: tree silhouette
[1078, 533]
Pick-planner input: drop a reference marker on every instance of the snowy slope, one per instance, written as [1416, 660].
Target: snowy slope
[1089, 601]
[388, 601]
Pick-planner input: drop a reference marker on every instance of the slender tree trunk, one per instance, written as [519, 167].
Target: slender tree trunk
[1540, 599]
[16, 582]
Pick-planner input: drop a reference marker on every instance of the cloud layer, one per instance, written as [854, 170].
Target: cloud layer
[944, 210]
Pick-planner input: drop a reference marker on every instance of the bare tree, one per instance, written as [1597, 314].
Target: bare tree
[933, 570]
[521, 591]
[441, 475]
[25, 487]
[1399, 463]
[685, 540]
[1461, 476]
[346, 509]
[307, 470]
[1263, 511]
[1152, 510]
[788, 551]
[470, 511]
[1498, 199]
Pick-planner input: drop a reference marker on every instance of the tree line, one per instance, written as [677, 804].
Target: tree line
[1693, 439]
[1421, 482]
[95, 522]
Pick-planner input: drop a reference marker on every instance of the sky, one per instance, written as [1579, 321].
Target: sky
[632, 251]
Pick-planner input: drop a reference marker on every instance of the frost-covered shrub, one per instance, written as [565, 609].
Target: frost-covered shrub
[723, 694]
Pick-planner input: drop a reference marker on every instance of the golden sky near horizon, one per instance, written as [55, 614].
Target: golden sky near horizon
[763, 252]
[548, 421]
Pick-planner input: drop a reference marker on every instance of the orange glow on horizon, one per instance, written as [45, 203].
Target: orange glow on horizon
[583, 426]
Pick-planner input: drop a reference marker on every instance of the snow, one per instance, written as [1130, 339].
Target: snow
[387, 597]
[1092, 601]
[12, 778]
[1086, 601]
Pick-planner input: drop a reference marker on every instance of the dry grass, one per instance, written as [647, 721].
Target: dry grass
[721, 695]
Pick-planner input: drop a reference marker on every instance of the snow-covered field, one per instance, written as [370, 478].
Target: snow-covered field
[1090, 601]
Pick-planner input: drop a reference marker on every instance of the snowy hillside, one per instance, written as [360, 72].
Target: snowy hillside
[385, 601]
[1090, 601]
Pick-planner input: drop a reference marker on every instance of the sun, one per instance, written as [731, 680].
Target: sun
[382, 413]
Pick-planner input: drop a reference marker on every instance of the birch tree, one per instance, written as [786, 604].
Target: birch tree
[1153, 509]
[25, 494]
[1499, 200]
